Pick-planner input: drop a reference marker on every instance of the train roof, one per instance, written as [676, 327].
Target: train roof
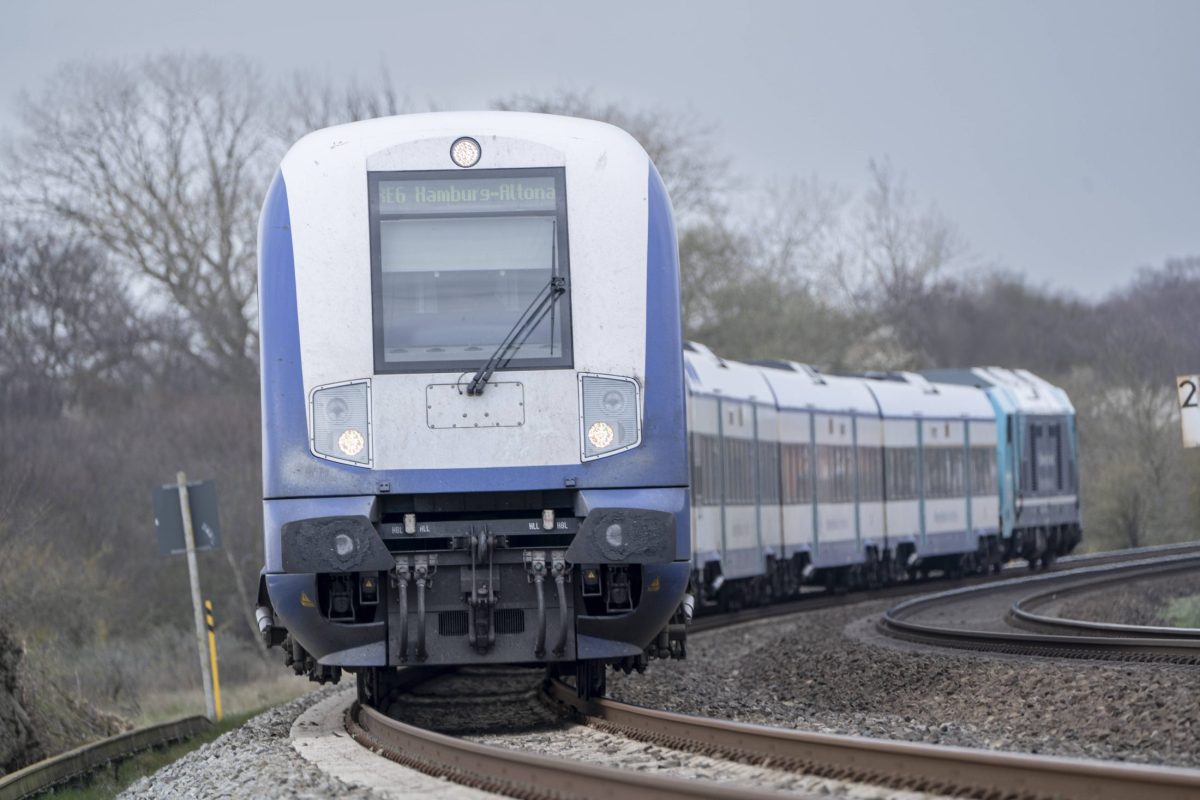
[708, 373]
[1024, 391]
[799, 386]
[907, 394]
[791, 385]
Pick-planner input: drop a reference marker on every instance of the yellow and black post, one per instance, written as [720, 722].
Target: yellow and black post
[212, 655]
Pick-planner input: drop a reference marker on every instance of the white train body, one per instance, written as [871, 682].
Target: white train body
[800, 475]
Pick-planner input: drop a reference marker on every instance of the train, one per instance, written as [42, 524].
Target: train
[485, 440]
[473, 405]
[801, 477]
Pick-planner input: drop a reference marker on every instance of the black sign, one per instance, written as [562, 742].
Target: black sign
[168, 521]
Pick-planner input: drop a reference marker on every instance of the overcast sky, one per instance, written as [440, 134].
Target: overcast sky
[1063, 138]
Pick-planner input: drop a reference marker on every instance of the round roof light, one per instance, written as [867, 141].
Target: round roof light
[465, 151]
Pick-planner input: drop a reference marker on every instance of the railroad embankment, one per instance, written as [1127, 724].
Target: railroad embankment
[37, 718]
[17, 742]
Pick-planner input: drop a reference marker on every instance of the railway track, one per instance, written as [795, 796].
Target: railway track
[822, 599]
[899, 765]
[1000, 616]
[934, 769]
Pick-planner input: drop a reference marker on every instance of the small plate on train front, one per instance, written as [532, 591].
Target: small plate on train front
[502, 405]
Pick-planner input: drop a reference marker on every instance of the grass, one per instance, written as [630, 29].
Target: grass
[235, 699]
[112, 780]
[1182, 612]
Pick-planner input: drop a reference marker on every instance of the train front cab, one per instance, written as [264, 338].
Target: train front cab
[413, 537]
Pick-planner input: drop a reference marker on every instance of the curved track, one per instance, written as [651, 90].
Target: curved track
[895, 764]
[899, 765]
[983, 617]
[823, 599]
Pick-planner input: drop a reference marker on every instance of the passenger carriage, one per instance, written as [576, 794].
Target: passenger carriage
[939, 446]
[799, 476]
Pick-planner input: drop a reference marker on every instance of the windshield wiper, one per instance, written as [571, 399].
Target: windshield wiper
[537, 310]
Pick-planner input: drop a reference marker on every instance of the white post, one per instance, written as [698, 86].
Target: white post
[189, 537]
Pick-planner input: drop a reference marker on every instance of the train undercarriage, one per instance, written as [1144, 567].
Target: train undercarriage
[785, 579]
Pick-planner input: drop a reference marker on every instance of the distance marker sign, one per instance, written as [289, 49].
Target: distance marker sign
[1189, 408]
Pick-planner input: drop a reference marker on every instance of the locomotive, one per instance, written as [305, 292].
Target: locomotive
[473, 407]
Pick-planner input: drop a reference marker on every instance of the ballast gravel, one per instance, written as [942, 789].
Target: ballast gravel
[831, 671]
[256, 760]
[502, 708]
[826, 670]
[581, 743]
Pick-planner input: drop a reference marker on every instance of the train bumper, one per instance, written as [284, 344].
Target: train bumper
[502, 599]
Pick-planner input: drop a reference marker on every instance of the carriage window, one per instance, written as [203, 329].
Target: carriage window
[797, 475]
[457, 260]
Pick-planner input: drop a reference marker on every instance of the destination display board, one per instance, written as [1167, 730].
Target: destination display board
[419, 196]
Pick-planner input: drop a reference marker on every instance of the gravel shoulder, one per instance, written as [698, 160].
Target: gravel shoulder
[806, 671]
[256, 760]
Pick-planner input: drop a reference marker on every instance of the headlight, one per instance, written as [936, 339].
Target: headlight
[341, 422]
[610, 415]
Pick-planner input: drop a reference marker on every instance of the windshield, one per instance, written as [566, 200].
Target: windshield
[457, 259]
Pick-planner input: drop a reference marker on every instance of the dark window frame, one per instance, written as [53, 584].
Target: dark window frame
[561, 267]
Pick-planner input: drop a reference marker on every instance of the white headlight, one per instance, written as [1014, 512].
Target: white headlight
[611, 415]
[600, 434]
[341, 420]
[351, 442]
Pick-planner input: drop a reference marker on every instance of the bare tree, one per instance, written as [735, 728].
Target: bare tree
[307, 103]
[904, 249]
[164, 163]
[69, 331]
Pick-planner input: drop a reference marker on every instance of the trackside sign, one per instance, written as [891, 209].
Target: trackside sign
[1189, 408]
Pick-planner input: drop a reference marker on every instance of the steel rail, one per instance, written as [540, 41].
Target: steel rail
[821, 600]
[1083, 643]
[1022, 614]
[45, 775]
[901, 765]
[517, 773]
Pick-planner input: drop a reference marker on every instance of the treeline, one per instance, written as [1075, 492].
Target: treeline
[128, 335]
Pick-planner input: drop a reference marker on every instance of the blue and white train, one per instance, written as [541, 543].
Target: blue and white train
[798, 476]
[474, 444]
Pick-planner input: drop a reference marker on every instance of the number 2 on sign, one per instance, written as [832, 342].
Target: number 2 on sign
[1189, 386]
[1189, 408]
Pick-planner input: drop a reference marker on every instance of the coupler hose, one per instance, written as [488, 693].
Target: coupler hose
[403, 584]
[539, 648]
[560, 584]
[421, 654]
